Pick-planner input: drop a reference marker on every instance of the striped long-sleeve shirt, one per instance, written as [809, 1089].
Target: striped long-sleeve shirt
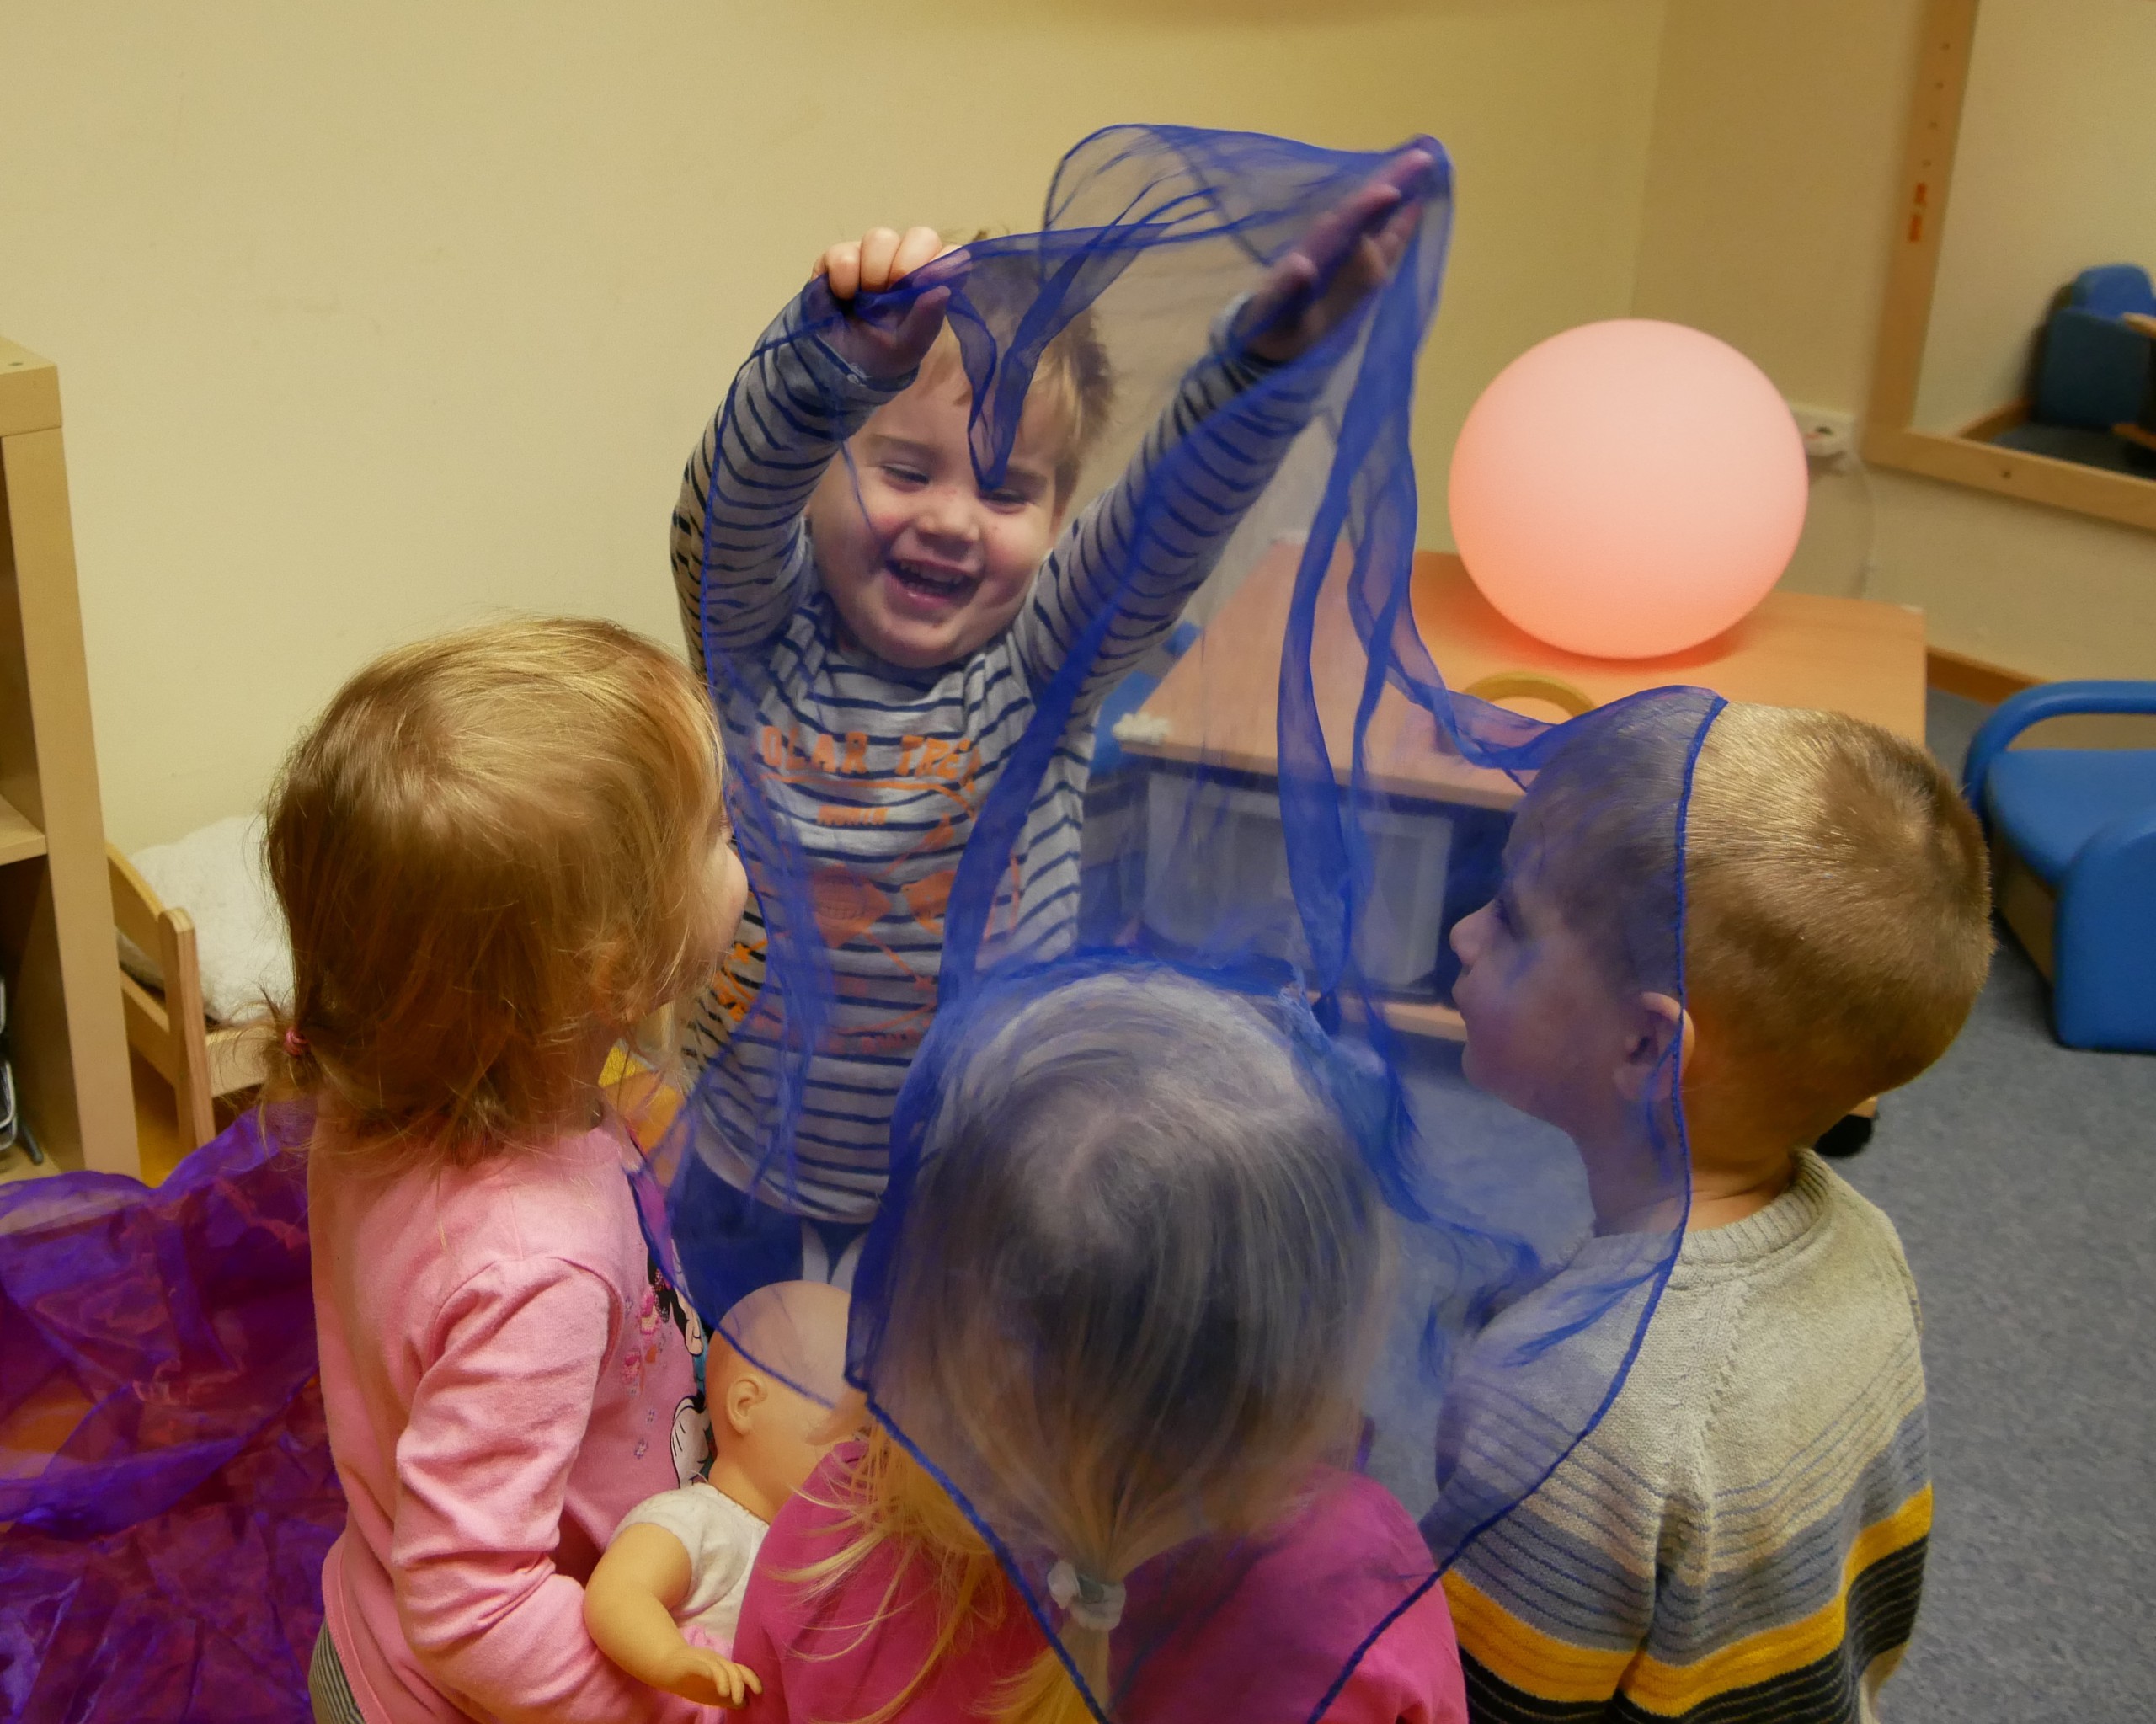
[1743, 1534]
[879, 772]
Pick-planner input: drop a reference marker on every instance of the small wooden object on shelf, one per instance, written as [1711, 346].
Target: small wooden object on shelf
[64, 1026]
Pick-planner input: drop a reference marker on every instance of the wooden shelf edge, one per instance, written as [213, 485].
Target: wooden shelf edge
[30, 390]
[2017, 472]
[19, 840]
[1988, 427]
[1974, 679]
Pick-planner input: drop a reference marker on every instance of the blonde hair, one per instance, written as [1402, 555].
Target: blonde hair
[1072, 384]
[1133, 1304]
[1838, 908]
[1837, 902]
[491, 850]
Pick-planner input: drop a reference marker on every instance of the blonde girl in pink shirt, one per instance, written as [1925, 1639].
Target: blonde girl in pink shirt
[1133, 1292]
[496, 852]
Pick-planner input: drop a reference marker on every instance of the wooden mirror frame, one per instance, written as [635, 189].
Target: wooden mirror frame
[1889, 439]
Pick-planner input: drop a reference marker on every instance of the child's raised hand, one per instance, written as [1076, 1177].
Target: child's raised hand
[892, 345]
[1315, 287]
[700, 1674]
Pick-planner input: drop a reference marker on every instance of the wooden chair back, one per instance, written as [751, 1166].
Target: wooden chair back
[169, 1032]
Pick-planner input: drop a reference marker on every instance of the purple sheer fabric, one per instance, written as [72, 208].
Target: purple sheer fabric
[166, 1491]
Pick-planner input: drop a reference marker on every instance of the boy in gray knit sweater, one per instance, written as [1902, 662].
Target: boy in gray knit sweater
[1743, 1533]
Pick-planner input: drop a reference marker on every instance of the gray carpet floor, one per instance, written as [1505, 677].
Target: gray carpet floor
[2022, 1176]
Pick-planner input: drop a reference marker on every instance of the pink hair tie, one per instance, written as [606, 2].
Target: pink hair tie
[295, 1043]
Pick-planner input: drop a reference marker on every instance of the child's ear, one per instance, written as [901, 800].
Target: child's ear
[744, 1396]
[1659, 1023]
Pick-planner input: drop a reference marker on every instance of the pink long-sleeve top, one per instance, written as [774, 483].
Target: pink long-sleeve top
[1266, 1655]
[501, 1378]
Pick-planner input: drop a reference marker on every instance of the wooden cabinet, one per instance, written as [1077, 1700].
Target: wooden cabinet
[56, 948]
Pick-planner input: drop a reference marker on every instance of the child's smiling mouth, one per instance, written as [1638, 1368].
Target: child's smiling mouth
[929, 584]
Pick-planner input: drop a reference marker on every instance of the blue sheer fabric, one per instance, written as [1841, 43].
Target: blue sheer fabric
[1300, 833]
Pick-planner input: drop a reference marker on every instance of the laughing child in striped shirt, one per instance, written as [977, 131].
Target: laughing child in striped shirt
[890, 622]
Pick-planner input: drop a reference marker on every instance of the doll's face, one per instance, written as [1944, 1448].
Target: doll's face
[768, 1435]
[772, 1434]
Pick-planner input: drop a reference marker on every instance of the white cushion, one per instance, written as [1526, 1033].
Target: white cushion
[216, 875]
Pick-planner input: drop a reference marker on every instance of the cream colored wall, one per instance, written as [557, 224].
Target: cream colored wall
[2052, 172]
[1771, 187]
[375, 319]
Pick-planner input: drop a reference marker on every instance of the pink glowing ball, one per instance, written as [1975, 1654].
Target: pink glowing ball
[1628, 489]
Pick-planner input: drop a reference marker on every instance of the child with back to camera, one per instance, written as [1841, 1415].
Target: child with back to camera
[496, 853]
[1137, 1295]
[1744, 1533]
[891, 622]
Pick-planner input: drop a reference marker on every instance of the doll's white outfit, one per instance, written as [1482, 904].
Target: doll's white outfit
[721, 1539]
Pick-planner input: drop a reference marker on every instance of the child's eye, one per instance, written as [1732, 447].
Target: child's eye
[1006, 497]
[907, 477]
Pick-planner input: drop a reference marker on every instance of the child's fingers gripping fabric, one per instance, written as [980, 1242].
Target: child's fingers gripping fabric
[1347, 252]
[887, 266]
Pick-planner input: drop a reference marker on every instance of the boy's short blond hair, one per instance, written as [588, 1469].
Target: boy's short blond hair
[1073, 381]
[1838, 915]
[1073, 384]
[1836, 903]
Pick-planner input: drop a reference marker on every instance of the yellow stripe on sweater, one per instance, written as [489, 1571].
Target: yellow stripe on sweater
[1524, 1657]
[1674, 1689]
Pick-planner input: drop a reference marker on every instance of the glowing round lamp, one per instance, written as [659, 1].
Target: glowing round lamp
[1628, 489]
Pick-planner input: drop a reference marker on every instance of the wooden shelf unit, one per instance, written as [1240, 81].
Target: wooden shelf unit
[66, 1035]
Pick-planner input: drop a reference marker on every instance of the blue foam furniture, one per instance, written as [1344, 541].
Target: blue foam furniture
[2093, 369]
[2073, 845]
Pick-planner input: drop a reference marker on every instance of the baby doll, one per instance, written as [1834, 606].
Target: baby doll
[681, 1559]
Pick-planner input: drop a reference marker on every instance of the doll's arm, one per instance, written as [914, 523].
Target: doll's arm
[628, 1609]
